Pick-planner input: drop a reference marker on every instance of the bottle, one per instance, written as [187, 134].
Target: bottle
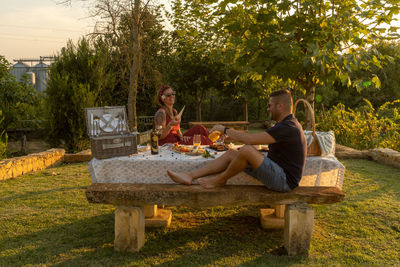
[154, 140]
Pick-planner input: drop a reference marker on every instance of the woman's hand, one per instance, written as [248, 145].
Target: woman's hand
[175, 121]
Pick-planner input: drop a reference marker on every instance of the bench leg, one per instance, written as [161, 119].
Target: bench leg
[273, 218]
[150, 211]
[299, 224]
[157, 218]
[129, 229]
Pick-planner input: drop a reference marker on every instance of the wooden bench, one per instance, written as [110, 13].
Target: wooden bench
[238, 125]
[130, 200]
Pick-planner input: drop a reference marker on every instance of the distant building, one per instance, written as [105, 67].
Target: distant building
[38, 74]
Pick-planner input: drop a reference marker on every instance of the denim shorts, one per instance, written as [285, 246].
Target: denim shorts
[271, 175]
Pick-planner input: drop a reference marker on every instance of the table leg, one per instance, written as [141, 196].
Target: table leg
[155, 217]
[150, 211]
[273, 218]
[299, 224]
[129, 228]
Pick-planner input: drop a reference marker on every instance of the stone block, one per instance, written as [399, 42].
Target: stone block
[74, 158]
[269, 220]
[162, 219]
[385, 156]
[280, 211]
[299, 224]
[150, 211]
[129, 229]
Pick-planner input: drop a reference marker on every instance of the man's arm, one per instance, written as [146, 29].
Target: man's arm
[246, 138]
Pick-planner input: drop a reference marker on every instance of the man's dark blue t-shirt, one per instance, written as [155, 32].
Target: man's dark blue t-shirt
[290, 149]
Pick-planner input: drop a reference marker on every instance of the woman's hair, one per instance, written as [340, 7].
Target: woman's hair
[159, 101]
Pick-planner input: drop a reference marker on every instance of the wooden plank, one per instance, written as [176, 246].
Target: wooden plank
[197, 196]
[238, 125]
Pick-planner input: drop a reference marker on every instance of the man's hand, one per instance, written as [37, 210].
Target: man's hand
[220, 128]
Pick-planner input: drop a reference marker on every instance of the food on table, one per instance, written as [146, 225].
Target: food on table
[190, 150]
[221, 147]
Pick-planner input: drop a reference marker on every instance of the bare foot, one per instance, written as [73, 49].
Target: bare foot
[211, 182]
[180, 178]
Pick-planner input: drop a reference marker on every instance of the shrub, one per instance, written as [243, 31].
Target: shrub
[76, 81]
[3, 139]
[364, 127]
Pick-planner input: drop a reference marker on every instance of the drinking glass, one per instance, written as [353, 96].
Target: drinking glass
[197, 140]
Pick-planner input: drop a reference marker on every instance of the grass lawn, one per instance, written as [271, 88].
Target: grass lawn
[46, 220]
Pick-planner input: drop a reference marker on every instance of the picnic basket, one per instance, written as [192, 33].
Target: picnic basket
[314, 148]
[108, 131]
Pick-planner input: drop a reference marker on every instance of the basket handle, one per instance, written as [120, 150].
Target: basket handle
[311, 111]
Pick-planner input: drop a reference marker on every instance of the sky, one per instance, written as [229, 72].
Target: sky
[34, 28]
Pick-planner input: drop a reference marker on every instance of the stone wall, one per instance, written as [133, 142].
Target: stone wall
[13, 167]
[382, 155]
[385, 156]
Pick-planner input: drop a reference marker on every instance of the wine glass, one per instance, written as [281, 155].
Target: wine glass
[197, 140]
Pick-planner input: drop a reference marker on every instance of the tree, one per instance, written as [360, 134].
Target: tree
[114, 16]
[307, 42]
[77, 80]
[17, 99]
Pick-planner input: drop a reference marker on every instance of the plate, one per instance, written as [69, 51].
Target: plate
[222, 147]
[110, 126]
[187, 150]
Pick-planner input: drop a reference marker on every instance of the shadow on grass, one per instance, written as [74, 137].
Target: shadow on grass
[374, 180]
[224, 240]
[37, 193]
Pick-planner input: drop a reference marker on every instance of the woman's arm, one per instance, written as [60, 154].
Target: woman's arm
[160, 120]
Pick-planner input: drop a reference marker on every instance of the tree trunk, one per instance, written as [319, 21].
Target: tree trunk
[198, 110]
[310, 96]
[309, 86]
[212, 107]
[134, 69]
[245, 109]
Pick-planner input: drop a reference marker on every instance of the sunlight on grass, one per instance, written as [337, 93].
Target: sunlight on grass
[46, 220]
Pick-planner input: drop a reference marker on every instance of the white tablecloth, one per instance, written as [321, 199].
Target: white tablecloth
[152, 169]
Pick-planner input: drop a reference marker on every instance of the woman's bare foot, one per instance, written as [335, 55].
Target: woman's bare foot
[180, 178]
[211, 182]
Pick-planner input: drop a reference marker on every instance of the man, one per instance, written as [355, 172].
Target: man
[281, 170]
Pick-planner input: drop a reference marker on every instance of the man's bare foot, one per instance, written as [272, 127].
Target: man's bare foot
[211, 182]
[180, 178]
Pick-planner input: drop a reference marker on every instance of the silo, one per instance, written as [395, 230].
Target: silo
[19, 69]
[32, 77]
[41, 75]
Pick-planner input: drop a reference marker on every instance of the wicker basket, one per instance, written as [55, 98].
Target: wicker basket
[108, 132]
[314, 148]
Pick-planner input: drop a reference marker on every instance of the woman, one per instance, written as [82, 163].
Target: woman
[167, 120]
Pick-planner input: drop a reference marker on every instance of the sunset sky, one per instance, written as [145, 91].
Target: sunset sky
[29, 29]
[34, 28]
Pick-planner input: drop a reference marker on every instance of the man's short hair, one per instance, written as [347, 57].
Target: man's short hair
[284, 97]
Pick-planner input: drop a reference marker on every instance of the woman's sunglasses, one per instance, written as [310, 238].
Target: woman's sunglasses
[170, 94]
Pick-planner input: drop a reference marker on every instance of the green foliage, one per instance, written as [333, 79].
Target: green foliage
[364, 127]
[78, 79]
[3, 139]
[18, 100]
[309, 42]
[46, 220]
[388, 74]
